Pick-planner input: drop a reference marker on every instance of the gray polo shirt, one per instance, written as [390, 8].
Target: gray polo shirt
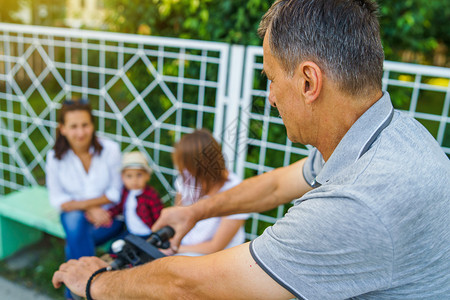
[377, 224]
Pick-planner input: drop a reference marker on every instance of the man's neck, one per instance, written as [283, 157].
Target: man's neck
[338, 116]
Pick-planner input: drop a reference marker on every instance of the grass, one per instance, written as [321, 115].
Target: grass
[38, 275]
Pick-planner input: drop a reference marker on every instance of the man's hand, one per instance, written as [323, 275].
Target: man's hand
[180, 218]
[75, 273]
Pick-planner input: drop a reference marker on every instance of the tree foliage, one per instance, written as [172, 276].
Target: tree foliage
[418, 26]
[8, 9]
[231, 21]
[41, 12]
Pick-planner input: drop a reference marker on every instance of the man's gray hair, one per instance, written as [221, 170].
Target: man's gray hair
[341, 36]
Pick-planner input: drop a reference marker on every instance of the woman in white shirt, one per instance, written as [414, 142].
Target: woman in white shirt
[199, 158]
[82, 176]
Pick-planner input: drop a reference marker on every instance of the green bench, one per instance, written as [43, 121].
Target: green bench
[24, 216]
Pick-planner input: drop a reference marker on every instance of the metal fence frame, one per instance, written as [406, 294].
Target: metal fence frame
[249, 130]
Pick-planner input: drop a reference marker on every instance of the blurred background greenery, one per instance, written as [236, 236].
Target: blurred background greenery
[412, 30]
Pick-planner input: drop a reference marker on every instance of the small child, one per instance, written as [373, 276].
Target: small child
[139, 203]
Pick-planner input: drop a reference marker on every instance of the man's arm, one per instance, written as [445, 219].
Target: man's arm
[228, 274]
[223, 236]
[255, 194]
[259, 193]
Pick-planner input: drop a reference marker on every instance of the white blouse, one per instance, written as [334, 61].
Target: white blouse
[67, 180]
[205, 230]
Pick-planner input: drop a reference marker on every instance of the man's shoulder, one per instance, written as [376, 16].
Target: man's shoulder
[408, 147]
[406, 132]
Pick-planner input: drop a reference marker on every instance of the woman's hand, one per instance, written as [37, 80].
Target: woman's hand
[169, 251]
[72, 205]
[98, 217]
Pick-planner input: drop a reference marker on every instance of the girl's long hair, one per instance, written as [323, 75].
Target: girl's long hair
[61, 143]
[200, 155]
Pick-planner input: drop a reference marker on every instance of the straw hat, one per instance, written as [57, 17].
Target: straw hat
[135, 160]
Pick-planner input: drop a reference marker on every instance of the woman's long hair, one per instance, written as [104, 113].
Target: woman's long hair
[61, 143]
[200, 155]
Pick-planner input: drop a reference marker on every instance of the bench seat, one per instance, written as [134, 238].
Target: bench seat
[24, 215]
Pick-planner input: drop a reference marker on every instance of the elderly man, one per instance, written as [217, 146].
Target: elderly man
[373, 218]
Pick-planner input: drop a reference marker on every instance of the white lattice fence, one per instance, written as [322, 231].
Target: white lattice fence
[146, 92]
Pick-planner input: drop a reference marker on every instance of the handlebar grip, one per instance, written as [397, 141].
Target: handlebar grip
[159, 237]
[166, 233]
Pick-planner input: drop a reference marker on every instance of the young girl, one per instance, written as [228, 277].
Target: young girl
[200, 162]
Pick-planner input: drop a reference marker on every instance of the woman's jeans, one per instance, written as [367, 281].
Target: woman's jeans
[82, 236]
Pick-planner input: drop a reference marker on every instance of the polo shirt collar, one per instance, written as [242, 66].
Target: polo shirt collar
[358, 139]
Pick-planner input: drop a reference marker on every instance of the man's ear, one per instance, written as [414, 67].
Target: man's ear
[311, 78]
